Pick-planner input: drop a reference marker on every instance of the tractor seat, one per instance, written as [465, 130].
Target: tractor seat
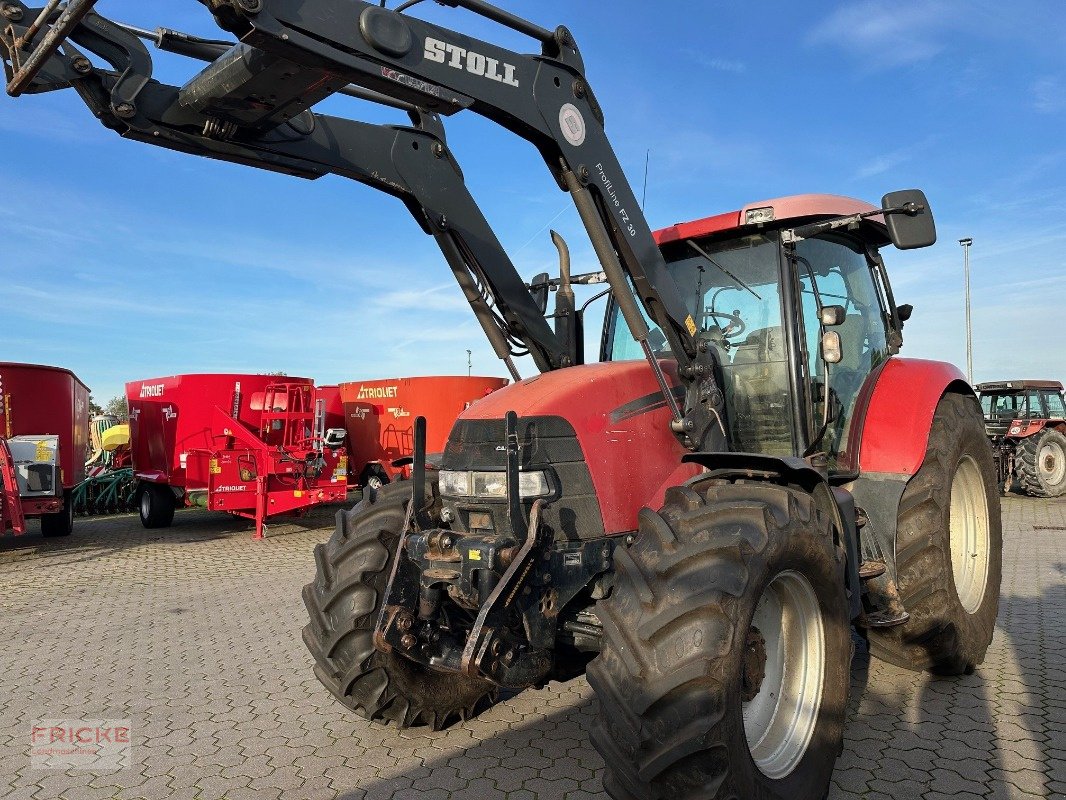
[761, 345]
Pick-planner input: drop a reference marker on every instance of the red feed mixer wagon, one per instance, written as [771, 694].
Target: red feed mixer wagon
[379, 416]
[254, 446]
[44, 430]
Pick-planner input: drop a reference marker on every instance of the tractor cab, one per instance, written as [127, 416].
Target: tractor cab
[796, 322]
[1026, 423]
[1010, 406]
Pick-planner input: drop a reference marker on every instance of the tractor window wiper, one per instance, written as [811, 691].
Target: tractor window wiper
[737, 280]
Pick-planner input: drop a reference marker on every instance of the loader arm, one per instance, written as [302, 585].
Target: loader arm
[252, 105]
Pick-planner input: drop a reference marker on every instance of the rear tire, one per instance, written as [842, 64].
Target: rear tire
[155, 502]
[344, 602]
[948, 549]
[1041, 461]
[698, 696]
[60, 523]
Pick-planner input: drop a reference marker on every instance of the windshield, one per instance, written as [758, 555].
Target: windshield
[1009, 406]
[732, 290]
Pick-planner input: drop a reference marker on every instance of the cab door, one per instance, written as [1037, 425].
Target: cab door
[833, 270]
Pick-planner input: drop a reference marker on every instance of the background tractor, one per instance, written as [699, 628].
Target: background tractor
[1026, 422]
[699, 519]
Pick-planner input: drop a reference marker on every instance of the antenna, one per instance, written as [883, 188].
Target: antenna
[644, 193]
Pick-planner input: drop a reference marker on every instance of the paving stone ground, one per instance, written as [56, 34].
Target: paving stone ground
[193, 633]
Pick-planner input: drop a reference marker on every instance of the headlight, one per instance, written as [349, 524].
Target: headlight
[454, 483]
[759, 216]
[489, 484]
[492, 484]
[533, 484]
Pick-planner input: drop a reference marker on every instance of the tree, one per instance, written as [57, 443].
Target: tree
[117, 407]
[94, 407]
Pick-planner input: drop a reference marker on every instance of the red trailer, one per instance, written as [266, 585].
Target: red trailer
[251, 445]
[44, 431]
[379, 416]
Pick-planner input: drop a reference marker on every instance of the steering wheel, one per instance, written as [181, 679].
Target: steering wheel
[734, 324]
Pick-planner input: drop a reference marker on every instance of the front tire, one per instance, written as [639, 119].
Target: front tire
[1042, 464]
[344, 602]
[949, 549]
[726, 649]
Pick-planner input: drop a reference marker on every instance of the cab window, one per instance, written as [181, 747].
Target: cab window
[735, 300]
[1055, 406]
[834, 271]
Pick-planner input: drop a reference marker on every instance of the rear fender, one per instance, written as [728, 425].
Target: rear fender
[797, 474]
[888, 439]
[894, 411]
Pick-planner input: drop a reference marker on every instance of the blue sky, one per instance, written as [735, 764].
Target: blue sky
[161, 263]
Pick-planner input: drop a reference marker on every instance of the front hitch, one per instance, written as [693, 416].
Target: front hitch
[435, 564]
[483, 605]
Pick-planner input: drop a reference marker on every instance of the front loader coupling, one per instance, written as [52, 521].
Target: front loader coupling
[486, 605]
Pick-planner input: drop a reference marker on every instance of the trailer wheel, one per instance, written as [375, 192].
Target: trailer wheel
[1041, 464]
[156, 505]
[60, 523]
[726, 649]
[948, 549]
[344, 601]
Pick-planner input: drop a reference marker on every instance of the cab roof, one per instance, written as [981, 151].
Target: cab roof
[1006, 387]
[807, 207]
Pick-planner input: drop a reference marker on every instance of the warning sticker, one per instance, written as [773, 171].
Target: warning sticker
[214, 467]
[691, 325]
[43, 451]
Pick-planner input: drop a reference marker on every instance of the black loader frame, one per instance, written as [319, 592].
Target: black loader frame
[252, 106]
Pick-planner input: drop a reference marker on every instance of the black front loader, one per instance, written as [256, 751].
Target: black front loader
[252, 105]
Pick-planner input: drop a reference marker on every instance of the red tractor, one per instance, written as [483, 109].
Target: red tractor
[1026, 422]
[700, 519]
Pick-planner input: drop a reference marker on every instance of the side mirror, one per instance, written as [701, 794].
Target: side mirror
[538, 287]
[335, 438]
[832, 349]
[904, 312]
[831, 315]
[909, 219]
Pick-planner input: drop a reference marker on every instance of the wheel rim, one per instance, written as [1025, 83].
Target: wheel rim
[1052, 463]
[780, 718]
[969, 534]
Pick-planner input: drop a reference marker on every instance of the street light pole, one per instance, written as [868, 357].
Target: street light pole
[969, 337]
